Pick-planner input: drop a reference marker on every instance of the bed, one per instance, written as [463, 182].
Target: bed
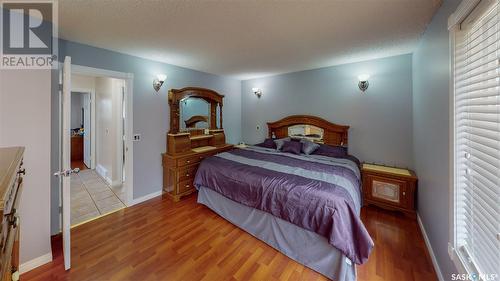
[305, 206]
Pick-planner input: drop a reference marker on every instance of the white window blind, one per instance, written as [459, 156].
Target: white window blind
[477, 139]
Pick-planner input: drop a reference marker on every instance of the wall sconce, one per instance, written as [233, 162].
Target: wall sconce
[257, 92]
[363, 82]
[158, 81]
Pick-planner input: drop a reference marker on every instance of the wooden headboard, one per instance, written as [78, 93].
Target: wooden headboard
[333, 134]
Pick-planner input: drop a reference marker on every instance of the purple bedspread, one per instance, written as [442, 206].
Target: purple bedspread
[316, 195]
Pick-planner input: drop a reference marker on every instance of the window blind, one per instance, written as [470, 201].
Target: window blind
[477, 139]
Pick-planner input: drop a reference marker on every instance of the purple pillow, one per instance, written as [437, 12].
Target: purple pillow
[331, 151]
[268, 143]
[279, 143]
[292, 147]
[308, 146]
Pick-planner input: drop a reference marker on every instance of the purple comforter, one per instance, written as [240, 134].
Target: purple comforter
[317, 195]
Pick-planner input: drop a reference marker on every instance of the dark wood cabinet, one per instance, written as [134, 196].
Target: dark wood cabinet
[390, 188]
[76, 148]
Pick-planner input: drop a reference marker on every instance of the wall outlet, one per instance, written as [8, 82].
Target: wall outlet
[137, 137]
[257, 127]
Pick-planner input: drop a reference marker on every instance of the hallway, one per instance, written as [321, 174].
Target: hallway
[92, 197]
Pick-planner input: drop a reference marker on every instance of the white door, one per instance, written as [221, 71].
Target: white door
[66, 171]
[87, 130]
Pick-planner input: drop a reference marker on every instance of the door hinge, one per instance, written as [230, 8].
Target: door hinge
[60, 86]
[60, 209]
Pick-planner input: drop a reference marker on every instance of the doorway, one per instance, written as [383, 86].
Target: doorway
[99, 107]
[81, 131]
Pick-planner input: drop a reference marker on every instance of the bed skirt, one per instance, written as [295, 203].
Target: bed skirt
[303, 246]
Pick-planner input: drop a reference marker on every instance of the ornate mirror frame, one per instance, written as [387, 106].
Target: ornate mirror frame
[211, 96]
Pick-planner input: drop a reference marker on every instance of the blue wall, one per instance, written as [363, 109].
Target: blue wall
[151, 111]
[380, 119]
[431, 103]
[401, 120]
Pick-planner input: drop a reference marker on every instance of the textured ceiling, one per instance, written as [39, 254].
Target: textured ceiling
[251, 38]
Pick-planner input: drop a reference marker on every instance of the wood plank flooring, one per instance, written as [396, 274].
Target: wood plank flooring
[162, 240]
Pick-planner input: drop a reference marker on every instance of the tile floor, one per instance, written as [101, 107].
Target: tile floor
[91, 197]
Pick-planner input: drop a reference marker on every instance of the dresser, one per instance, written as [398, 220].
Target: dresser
[11, 182]
[390, 188]
[196, 133]
[179, 170]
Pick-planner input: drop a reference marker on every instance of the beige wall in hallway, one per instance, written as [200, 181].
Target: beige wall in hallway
[108, 112]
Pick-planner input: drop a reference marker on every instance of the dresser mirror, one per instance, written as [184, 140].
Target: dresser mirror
[195, 120]
[194, 113]
[218, 115]
[194, 109]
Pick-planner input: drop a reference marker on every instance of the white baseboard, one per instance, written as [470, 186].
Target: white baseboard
[34, 263]
[103, 172]
[145, 197]
[116, 183]
[429, 248]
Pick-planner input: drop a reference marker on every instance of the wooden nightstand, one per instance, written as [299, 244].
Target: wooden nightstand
[390, 188]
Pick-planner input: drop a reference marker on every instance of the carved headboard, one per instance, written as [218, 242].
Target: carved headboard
[333, 134]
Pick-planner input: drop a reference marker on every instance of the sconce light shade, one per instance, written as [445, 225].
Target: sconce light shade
[158, 81]
[257, 92]
[363, 82]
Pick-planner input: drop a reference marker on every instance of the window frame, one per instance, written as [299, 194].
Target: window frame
[465, 8]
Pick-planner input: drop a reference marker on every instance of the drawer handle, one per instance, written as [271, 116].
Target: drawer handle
[404, 193]
[187, 185]
[187, 175]
[13, 220]
[188, 161]
[16, 222]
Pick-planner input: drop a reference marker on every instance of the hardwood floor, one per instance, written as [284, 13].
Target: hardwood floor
[162, 240]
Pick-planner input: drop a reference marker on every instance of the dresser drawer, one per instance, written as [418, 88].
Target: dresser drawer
[10, 216]
[188, 172]
[185, 186]
[189, 160]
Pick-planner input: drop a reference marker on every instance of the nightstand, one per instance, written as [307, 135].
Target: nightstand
[390, 188]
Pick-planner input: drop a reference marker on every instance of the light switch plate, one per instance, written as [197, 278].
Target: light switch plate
[137, 137]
